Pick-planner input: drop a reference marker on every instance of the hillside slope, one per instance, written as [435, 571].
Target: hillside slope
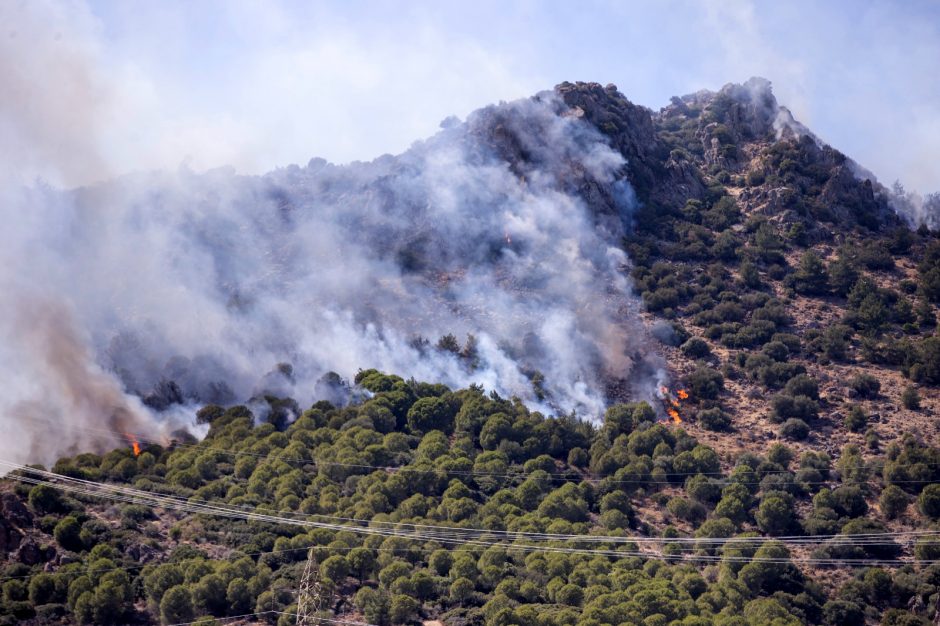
[787, 311]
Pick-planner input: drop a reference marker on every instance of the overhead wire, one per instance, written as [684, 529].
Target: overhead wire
[156, 500]
[458, 529]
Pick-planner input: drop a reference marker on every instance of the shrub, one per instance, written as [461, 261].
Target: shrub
[784, 406]
[833, 343]
[910, 399]
[893, 501]
[45, 499]
[661, 299]
[929, 501]
[802, 385]
[810, 277]
[696, 348]
[856, 420]
[686, 509]
[865, 385]
[794, 429]
[776, 350]
[714, 419]
[705, 383]
[842, 276]
[838, 612]
[176, 605]
[775, 514]
[749, 275]
[68, 533]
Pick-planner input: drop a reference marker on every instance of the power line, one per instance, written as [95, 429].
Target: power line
[121, 494]
[855, 539]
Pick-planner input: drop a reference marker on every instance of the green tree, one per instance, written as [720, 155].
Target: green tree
[42, 590]
[361, 561]
[771, 570]
[857, 419]
[929, 501]
[374, 604]
[893, 501]
[334, 568]
[461, 590]
[775, 514]
[910, 399]
[45, 499]
[428, 414]
[238, 597]
[403, 609]
[209, 595]
[176, 605]
[109, 601]
[68, 533]
[495, 430]
[810, 277]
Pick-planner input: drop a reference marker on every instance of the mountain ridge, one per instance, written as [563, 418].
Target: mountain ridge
[681, 368]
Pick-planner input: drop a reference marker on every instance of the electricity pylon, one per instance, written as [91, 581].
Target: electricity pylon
[309, 597]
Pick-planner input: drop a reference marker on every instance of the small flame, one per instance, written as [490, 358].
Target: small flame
[672, 403]
[134, 443]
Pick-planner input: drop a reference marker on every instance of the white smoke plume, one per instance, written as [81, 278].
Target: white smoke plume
[505, 227]
[915, 208]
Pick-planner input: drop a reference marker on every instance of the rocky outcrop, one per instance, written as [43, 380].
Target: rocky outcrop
[10, 537]
[14, 519]
[631, 131]
[31, 553]
[14, 511]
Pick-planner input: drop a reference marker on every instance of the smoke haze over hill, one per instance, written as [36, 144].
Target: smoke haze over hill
[505, 228]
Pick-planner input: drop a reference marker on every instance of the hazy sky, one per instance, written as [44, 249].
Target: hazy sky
[100, 88]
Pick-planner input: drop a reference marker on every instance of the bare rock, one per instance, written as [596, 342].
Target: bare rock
[31, 553]
[142, 553]
[14, 511]
[10, 537]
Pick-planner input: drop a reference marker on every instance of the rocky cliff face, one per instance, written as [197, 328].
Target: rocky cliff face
[739, 135]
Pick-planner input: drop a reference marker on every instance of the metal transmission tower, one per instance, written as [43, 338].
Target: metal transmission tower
[310, 596]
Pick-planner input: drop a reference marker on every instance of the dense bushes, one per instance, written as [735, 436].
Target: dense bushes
[865, 385]
[502, 468]
[705, 383]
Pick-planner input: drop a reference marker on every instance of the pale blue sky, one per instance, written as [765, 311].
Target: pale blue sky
[262, 84]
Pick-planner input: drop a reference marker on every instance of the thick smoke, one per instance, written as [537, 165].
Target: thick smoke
[181, 288]
[915, 208]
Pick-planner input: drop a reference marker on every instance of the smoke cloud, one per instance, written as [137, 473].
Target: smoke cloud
[182, 288]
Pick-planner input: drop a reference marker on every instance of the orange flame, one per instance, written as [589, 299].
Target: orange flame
[672, 403]
[134, 443]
